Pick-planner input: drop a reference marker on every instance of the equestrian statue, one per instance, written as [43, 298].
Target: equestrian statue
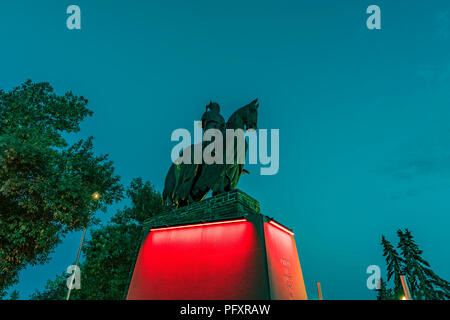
[190, 182]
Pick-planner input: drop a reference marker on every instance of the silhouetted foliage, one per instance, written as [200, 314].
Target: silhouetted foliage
[394, 267]
[383, 293]
[423, 283]
[110, 253]
[45, 183]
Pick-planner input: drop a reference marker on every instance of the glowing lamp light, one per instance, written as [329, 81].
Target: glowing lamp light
[198, 225]
[96, 196]
[279, 226]
[403, 298]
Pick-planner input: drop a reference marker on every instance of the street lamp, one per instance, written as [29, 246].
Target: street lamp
[95, 196]
[405, 286]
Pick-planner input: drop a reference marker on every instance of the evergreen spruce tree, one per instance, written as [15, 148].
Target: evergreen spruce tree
[424, 284]
[394, 267]
[383, 292]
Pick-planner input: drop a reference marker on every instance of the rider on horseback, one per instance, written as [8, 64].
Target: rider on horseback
[212, 119]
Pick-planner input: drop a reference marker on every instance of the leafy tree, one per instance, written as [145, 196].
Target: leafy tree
[45, 183]
[423, 282]
[14, 295]
[110, 253]
[54, 289]
[394, 267]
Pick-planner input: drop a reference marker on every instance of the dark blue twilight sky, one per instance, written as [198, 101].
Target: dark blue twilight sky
[363, 115]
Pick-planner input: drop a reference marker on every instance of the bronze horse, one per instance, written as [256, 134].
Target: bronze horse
[187, 183]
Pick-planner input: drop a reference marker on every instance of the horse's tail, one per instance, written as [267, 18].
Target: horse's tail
[169, 185]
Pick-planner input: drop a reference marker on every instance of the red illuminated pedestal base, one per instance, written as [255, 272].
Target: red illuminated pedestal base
[247, 258]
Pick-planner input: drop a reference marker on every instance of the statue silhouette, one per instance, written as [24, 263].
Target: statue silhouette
[187, 183]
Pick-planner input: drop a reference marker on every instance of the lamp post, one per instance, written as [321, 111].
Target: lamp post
[319, 290]
[95, 196]
[405, 288]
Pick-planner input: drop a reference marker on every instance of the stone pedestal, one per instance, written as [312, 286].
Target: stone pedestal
[221, 248]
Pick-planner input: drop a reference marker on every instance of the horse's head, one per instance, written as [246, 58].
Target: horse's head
[245, 118]
[251, 117]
